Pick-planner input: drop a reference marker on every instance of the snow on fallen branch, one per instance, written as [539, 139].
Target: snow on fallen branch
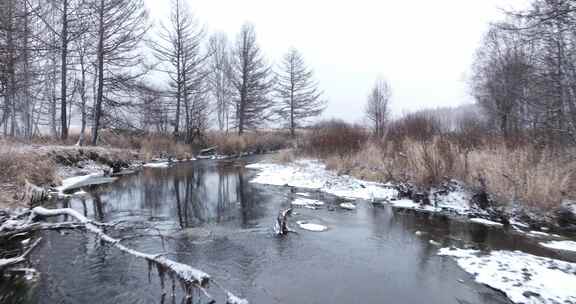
[188, 277]
[19, 259]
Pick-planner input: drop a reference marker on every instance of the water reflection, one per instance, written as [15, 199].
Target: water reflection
[215, 219]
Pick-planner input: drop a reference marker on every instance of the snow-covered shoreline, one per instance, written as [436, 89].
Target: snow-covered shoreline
[313, 175]
[524, 278]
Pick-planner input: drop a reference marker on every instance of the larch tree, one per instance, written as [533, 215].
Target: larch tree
[253, 82]
[378, 107]
[300, 98]
[179, 47]
[120, 28]
[221, 86]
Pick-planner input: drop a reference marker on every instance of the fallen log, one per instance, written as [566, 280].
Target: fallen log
[4, 263]
[188, 277]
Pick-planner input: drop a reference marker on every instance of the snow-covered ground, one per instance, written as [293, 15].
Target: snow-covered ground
[524, 278]
[312, 174]
[486, 222]
[561, 245]
[157, 165]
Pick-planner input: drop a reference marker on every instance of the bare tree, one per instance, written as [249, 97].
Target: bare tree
[378, 106]
[253, 82]
[220, 79]
[179, 46]
[300, 98]
[501, 74]
[120, 28]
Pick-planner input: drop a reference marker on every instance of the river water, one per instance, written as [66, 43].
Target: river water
[214, 219]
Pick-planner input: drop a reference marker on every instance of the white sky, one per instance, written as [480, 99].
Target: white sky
[424, 48]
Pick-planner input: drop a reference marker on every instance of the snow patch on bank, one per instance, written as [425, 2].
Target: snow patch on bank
[561, 245]
[311, 174]
[157, 165]
[486, 222]
[524, 278]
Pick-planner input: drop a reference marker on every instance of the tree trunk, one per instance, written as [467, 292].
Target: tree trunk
[99, 94]
[64, 70]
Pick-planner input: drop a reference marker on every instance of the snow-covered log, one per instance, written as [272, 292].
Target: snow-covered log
[188, 277]
[19, 259]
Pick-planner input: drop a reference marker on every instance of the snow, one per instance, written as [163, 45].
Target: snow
[80, 193]
[303, 194]
[84, 180]
[561, 245]
[348, 206]
[524, 278]
[311, 226]
[307, 203]
[232, 299]
[157, 165]
[486, 222]
[311, 174]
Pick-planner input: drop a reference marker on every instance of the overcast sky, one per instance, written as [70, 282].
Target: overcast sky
[424, 48]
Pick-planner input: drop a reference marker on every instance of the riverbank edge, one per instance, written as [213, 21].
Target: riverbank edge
[483, 205]
[57, 164]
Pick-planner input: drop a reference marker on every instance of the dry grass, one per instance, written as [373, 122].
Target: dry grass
[163, 146]
[418, 151]
[16, 168]
[523, 174]
[257, 142]
[334, 138]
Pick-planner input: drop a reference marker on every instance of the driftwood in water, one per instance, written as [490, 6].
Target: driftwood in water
[188, 277]
[281, 224]
[34, 194]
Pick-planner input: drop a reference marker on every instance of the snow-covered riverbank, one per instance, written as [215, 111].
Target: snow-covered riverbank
[523, 277]
[313, 175]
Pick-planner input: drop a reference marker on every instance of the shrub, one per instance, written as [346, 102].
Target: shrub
[334, 137]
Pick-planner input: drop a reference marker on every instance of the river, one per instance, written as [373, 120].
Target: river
[213, 218]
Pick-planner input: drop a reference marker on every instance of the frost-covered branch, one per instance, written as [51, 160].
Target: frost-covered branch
[188, 277]
[19, 259]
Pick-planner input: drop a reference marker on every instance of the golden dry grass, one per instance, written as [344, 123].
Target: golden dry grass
[523, 174]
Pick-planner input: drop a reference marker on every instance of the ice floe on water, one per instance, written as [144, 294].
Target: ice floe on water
[311, 226]
[524, 278]
[486, 222]
[311, 174]
[561, 245]
[348, 206]
[307, 203]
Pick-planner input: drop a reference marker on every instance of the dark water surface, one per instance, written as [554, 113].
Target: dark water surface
[218, 221]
